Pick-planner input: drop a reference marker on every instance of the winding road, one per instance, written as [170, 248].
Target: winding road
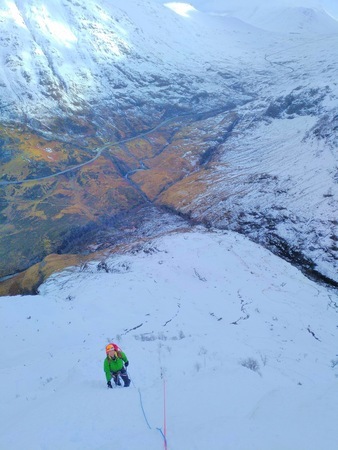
[98, 154]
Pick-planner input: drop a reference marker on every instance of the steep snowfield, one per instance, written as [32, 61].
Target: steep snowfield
[239, 344]
[124, 66]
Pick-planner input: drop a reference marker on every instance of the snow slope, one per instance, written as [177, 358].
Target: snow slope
[64, 57]
[247, 9]
[290, 16]
[67, 55]
[239, 344]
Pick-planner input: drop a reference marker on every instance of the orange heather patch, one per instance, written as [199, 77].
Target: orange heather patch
[181, 195]
[141, 148]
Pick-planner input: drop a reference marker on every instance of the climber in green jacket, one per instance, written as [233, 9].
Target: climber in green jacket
[115, 364]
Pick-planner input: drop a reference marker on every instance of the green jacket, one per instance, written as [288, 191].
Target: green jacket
[114, 365]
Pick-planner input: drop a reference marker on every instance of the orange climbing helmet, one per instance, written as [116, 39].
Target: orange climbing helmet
[111, 347]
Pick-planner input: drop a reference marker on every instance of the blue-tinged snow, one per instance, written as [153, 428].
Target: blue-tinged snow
[243, 344]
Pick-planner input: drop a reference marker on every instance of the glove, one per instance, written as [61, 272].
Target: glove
[126, 364]
[109, 384]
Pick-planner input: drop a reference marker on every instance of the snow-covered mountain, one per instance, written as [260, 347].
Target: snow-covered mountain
[237, 343]
[246, 96]
[302, 20]
[253, 11]
[80, 58]
[66, 59]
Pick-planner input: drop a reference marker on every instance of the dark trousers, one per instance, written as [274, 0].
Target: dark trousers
[123, 374]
